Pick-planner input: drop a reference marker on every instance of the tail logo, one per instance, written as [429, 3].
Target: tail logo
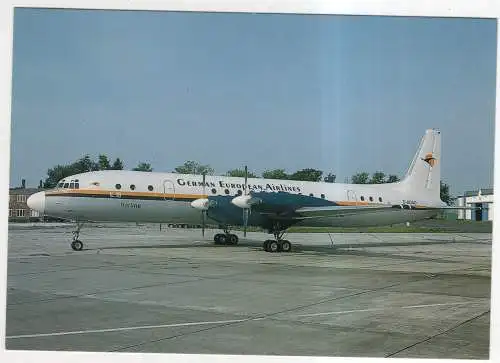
[430, 159]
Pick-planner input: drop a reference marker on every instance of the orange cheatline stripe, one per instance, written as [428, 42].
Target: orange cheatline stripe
[127, 193]
[352, 203]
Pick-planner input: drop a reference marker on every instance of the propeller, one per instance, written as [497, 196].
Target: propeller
[204, 211]
[246, 211]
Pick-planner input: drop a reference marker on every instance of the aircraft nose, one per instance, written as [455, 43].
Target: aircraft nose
[37, 202]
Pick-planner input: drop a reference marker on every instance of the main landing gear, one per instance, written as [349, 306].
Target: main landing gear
[279, 244]
[226, 238]
[76, 244]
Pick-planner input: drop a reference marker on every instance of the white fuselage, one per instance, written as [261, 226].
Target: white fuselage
[150, 197]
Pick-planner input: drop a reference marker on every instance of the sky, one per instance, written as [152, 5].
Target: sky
[343, 94]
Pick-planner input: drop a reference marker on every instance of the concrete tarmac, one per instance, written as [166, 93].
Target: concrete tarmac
[139, 289]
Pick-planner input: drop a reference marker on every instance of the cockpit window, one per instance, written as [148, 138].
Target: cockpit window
[72, 185]
[60, 185]
[77, 186]
[66, 185]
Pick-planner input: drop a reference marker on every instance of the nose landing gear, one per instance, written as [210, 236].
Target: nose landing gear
[76, 244]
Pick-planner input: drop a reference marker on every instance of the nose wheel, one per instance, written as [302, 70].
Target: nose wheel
[76, 244]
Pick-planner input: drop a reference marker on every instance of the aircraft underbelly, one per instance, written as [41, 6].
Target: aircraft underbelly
[123, 210]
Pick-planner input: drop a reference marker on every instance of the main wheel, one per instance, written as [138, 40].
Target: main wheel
[285, 246]
[77, 245]
[217, 238]
[265, 246]
[233, 239]
[273, 246]
[222, 239]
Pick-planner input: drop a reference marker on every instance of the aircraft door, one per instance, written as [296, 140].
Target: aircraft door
[168, 190]
[351, 196]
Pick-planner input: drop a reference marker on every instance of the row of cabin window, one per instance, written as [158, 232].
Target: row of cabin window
[214, 191]
[75, 185]
[371, 199]
[132, 187]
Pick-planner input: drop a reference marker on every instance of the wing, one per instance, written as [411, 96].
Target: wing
[289, 209]
[285, 208]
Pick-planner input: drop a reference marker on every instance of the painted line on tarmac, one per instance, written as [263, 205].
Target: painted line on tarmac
[386, 308]
[126, 328]
[143, 327]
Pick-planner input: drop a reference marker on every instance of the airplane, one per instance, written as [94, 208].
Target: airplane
[274, 205]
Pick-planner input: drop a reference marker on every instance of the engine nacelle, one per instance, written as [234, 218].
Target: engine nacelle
[244, 201]
[200, 204]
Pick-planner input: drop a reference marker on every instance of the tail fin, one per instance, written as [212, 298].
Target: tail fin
[424, 174]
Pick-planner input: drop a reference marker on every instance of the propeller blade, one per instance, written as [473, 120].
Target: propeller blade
[246, 180]
[245, 221]
[245, 210]
[203, 212]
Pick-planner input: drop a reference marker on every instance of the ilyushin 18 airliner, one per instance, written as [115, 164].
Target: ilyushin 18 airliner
[274, 205]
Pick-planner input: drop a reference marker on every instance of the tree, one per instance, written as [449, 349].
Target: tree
[240, 173]
[192, 167]
[103, 162]
[83, 165]
[307, 175]
[117, 164]
[392, 178]
[377, 178]
[360, 178]
[57, 173]
[275, 174]
[86, 164]
[445, 193]
[330, 178]
[143, 167]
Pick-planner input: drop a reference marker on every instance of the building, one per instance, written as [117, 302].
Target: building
[482, 198]
[18, 206]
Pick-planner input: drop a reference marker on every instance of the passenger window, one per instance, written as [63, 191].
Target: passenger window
[77, 186]
[214, 191]
[71, 185]
[150, 188]
[380, 199]
[118, 186]
[311, 194]
[322, 196]
[362, 198]
[132, 187]
[371, 199]
[226, 191]
[239, 192]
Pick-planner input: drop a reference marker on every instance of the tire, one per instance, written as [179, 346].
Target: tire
[265, 246]
[217, 239]
[233, 239]
[273, 246]
[222, 239]
[285, 246]
[77, 245]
